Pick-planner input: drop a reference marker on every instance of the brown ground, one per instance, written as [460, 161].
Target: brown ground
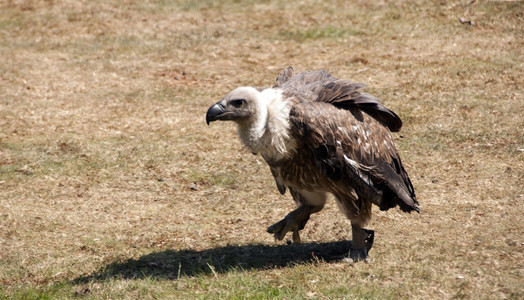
[112, 186]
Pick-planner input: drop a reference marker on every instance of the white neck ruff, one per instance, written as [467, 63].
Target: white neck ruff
[268, 132]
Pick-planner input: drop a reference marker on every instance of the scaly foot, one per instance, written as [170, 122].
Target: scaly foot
[294, 221]
[361, 254]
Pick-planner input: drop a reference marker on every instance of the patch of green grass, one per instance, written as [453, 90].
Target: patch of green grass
[13, 166]
[188, 5]
[179, 94]
[9, 171]
[60, 157]
[109, 44]
[318, 32]
[226, 180]
[209, 282]
[53, 291]
[12, 21]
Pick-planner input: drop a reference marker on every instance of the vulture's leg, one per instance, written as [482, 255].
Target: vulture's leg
[361, 243]
[294, 221]
[358, 211]
[309, 203]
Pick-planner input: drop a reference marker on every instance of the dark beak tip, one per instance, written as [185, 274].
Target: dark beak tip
[214, 112]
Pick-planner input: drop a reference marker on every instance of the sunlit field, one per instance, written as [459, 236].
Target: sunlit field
[112, 186]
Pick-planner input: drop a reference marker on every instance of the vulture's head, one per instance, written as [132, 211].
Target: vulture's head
[260, 114]
[242, 105]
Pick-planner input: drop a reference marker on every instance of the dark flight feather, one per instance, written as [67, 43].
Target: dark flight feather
[320, 86]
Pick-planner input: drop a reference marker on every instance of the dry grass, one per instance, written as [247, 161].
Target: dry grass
[111, 185]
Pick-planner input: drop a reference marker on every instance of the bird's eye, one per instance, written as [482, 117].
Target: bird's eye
[238, 103]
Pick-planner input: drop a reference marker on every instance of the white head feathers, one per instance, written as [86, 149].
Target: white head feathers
[267, 132]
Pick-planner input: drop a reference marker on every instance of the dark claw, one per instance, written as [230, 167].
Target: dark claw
[356, 255]
[282, 227]
[277, 226]
[370, 236]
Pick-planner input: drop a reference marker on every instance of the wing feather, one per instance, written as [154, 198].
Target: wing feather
[344, 94]
[284, 76]
[352, 148]
[306, 85]
[320, 86]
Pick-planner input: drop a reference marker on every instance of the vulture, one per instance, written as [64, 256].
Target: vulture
[320, 135]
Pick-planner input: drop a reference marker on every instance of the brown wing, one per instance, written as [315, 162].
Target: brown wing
[344, 94]
[305, 85]
[351, 147]
[320, 86]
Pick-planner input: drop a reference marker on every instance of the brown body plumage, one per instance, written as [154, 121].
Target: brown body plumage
[319, 135]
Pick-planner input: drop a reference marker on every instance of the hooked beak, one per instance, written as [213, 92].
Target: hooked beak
[214, 112]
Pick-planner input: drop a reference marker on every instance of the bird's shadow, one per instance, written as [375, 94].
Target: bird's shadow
[174, 264]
